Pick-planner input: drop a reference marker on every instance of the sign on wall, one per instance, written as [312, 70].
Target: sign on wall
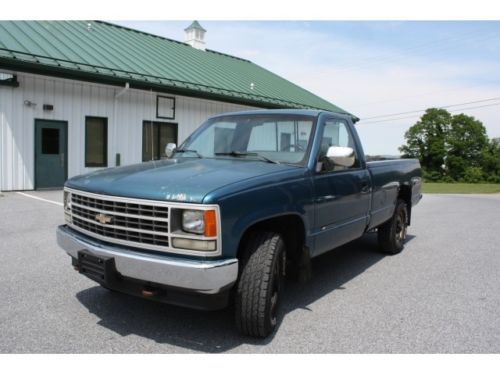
[165, 107]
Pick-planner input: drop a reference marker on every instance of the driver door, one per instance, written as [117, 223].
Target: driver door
[342, 194]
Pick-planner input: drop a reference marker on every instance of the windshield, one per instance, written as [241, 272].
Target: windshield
[273, 138]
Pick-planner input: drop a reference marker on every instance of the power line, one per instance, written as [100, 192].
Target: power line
[420, 94]
[402, 51]
[423, 110]
[408, 117]
[381, 59]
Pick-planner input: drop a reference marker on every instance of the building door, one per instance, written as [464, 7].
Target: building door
[51, 153]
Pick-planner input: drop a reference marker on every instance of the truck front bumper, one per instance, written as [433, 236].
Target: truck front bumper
[178, 281]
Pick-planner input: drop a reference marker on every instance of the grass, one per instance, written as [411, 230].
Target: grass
[459, 188]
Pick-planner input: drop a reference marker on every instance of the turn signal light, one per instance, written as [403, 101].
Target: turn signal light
[210, 223]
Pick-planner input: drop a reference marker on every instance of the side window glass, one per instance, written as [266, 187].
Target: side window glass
[335, 133]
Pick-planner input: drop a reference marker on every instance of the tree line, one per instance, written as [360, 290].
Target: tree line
[453, 148]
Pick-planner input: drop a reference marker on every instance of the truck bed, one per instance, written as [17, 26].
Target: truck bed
[388, 177]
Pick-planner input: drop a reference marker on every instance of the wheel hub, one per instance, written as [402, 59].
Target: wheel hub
[401, 227]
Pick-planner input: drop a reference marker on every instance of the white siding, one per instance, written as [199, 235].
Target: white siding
[73, 100]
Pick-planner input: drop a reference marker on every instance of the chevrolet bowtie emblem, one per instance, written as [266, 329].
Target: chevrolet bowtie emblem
[103, 219]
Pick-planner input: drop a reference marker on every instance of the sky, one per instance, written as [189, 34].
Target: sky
[371, 68]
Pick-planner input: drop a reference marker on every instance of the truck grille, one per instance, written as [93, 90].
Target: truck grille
[142, 225]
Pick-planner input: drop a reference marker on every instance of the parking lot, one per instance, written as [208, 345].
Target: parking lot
[440, 295]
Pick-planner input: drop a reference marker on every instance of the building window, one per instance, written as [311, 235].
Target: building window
[96, 142]
[165, 107]
[155, 136]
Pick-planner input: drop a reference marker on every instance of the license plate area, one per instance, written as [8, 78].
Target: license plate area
[98, 268]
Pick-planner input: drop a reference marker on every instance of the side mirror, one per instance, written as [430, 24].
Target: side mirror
[170, 149]
[343, 156]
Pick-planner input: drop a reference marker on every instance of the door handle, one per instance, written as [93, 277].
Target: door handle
[325, 198]
[365, 187]
[62, 159]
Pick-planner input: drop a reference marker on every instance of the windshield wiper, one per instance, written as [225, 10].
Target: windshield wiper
[243, 154]
[181, 150]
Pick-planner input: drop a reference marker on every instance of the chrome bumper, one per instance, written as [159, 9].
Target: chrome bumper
[202, 276]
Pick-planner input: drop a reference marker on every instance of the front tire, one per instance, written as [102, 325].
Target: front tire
[392, 234]
[260, 285]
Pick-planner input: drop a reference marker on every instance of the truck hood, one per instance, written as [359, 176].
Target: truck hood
[183, 180]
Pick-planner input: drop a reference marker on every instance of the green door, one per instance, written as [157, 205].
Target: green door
[51, 151]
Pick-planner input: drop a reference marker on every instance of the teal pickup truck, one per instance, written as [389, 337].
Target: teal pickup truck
[242, 205]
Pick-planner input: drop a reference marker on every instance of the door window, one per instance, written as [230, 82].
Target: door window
[335, 133]
[50, 141]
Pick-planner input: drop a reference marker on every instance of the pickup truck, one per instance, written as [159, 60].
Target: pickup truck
[239, 208]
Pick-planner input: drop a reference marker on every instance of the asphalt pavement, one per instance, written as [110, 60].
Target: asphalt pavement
[440, 295]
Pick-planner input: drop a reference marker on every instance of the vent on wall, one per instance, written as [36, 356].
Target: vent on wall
[7, 79]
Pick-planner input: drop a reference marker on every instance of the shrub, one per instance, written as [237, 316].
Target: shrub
[448, 179]
[473, 175]
[493, 179]
[431, 176]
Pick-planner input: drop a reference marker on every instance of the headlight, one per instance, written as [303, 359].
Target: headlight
[200, 222]
[193, 222]
[67, 201]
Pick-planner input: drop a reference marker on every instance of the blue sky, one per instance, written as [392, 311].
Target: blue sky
[370, 68]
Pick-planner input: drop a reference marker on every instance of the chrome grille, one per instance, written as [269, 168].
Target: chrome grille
[136, 223]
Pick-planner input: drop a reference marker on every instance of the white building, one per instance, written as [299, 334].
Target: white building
[78, 95]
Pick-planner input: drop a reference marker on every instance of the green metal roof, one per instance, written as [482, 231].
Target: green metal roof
[195, 25]
[103, 52]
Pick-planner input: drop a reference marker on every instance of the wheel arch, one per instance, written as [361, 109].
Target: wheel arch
[290, 226]
[405, 195]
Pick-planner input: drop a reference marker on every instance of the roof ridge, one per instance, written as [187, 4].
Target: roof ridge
[300, 87]
[168, 39]
[138, 31]
[228, 55]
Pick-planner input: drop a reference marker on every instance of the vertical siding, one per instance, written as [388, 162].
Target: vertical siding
[73, 100]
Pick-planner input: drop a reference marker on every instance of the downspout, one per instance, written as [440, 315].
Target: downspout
[123, 90]
[115, 122]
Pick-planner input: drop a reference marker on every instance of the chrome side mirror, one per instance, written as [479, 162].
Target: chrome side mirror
[170, 149]
[343, 156]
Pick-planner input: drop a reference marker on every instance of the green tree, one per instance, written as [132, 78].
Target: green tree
[490, 161]
[426, 140]
[466, 141]
[458, 143]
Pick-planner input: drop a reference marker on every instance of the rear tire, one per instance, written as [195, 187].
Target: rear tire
[260, 285]
[392, 234]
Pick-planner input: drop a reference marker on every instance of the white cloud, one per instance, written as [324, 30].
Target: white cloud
[395, 84]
